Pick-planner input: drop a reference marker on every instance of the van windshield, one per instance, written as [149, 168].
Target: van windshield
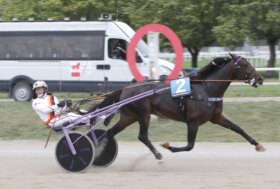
[143, 48]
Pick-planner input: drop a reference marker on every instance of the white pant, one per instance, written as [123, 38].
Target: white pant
[69, 117]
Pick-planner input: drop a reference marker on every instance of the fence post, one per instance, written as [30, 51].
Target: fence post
[153, 44]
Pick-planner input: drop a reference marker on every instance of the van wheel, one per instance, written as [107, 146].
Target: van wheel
[22, 92]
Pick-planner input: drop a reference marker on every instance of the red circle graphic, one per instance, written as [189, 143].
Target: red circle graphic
[173, 39]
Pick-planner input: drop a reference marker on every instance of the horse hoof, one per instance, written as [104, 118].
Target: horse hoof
[260, 148]
[165, 145]
[158, 156]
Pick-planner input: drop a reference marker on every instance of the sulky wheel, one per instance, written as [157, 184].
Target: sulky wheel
[84, 157]
[105, 152]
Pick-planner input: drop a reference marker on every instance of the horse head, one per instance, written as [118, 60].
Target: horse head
[245, 71]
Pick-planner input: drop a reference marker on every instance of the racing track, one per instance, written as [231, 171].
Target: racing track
[26, 164]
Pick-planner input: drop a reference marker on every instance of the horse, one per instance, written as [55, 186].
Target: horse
[195, 110]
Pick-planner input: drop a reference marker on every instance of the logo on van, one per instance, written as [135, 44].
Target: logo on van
[75, 70]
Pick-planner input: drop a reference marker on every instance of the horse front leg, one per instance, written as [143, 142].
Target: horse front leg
[224, 122]
[192, 132]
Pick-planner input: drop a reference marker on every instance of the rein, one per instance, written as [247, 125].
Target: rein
[216, 80]
[87, 100]
[200, 80]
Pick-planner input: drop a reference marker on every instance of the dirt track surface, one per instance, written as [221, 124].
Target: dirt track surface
[26, 165]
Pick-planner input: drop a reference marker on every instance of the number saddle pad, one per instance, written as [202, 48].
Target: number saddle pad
[180, 87]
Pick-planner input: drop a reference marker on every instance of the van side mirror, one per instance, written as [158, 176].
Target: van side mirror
[138, 58]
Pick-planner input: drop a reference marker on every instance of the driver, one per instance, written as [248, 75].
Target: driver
[121, 50]
[49, 109]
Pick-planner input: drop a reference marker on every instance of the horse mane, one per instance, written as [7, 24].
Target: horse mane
[212, 66]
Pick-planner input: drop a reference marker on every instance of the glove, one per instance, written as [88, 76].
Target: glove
[61, 104]
[69, 103]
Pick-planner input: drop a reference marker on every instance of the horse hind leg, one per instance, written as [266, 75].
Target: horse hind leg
[119, 126]
[192, 132]
[143, 136]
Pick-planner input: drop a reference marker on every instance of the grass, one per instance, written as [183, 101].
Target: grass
[203, 61]
[259, 119]
[242, 90]
[246, 91]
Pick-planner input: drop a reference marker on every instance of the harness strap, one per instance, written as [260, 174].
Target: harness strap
[210, 99]
[51, 114]
[49, 120]
[214, 99]
[182, 109]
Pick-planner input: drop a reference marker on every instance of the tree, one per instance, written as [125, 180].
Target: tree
[198, 23]
[192, 20]
[256, 19]
[137, 13]
[17, 9]
[140, 12]
[56, 9]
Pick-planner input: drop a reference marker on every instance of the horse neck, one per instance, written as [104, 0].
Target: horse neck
[223, 77]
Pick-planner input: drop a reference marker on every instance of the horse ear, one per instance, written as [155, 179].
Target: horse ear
[232, 55]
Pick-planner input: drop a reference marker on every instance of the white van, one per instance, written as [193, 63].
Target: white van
[78, 56]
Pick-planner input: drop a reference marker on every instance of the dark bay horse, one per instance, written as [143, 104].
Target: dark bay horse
[197, 109]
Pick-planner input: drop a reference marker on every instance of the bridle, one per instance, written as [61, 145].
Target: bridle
[237, 61]
[248, 80]
[236, 66]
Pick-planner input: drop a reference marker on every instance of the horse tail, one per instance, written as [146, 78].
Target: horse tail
[110, 99]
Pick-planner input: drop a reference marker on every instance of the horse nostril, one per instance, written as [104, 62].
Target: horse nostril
[260, 80]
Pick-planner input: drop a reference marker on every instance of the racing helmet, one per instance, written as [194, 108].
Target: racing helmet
[40, 84]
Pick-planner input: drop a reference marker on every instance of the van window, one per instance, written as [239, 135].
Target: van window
[143, 48]
[54, 45]
[117, 49]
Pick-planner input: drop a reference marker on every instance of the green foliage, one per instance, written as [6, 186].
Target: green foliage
[229, 34]
[259, 119]
[18, 9]
[140, 12]
[192, 20]
[56, 9]
[198, 23]
[263, 18]
[253, 20]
